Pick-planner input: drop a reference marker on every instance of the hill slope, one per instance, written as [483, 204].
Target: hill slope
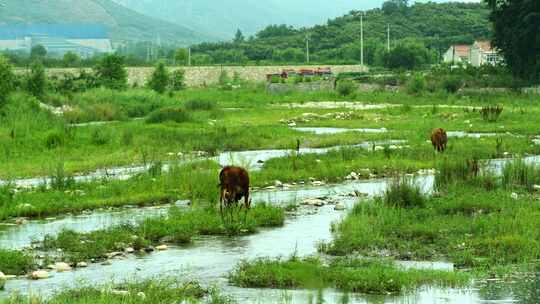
[222, 18]
[123, 24]
[437, 25]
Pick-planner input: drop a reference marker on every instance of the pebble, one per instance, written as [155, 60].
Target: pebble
[61, 266]
[340, 207]
[129, 250]
[313, 202]
[82, 265]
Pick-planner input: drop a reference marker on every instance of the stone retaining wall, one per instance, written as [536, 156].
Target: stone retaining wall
[200, 76]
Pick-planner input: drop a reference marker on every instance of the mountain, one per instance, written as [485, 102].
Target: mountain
[122, 23]
[222, 18]
[435, 25]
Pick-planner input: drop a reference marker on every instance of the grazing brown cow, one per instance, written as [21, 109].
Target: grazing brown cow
[439, 139]
[234, 184]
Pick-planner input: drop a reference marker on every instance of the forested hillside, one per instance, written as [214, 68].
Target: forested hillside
[434, 25]
[123, 24]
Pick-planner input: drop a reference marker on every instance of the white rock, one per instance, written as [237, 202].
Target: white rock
[354, 175]
[292, 124]
[21, 221]
[278, 183]
[536, 187]
[393, 147]
[317, 183]
[39, 275]
[313, 202]
[514, 195]
[340, 207]
[379, 148]
[61, 266]
[162, 247]
[141, 295]
[270, 188]
[119, 292]
[129, 250]
[82, 265]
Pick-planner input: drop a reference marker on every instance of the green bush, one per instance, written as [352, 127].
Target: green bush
[54, 140]
[404, 193]
[177, 81]
[345, 87]
[37, 80]
[111, 73]
[7, 79]
[452, 84]
[159, 80]
[175, 114]
[417, 84]
[100, 137]
[15, 262]
[200, 105]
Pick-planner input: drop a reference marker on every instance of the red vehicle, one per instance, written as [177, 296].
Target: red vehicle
[323, 71]
[306, 72]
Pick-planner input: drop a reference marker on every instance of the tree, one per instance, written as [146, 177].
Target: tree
[239, 37]
[177, 80]
[111, 73]
[6, 80]
[407, 55]
[71, 59]
[37, 80]
[516, 27]
[181, 56]
[159, 79]
[394, 6]
[38, 51]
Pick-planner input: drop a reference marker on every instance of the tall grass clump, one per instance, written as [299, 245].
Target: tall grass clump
[7, 79]
[200, 105]
[455, 171]
[417, 84]
[404, 193]
[519, 174]
[175, 114]
[15, 262]
[491, 113]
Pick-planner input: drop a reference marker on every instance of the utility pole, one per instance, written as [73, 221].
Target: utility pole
[307, 48]
[388, 39]
[362, 39]
[189, 56]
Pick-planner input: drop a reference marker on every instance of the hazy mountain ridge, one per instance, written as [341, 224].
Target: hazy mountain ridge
[122, 23]
[222, 18]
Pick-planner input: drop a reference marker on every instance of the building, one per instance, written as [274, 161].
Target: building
[84, 39]
[483, 53]
[460, 53]
[478, 54]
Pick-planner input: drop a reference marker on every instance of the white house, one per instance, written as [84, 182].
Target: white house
[459, 53]
[483, 53]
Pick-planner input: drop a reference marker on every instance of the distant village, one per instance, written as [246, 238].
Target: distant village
[479, 53]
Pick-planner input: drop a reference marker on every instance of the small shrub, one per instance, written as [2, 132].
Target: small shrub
[160, 78]
[200, 105]
[345, 87]
[224, 78]
[403, 193]
[60, 180]
[417, 84]
[451, 172]
[175, 114]
[111, 73]
[54, 140]
[177, 81]
[452, 84]
[7, 79]
[491, 113]
[127, 137]
[37, 81]
[100, 137]
[15, 262]
[520, 174]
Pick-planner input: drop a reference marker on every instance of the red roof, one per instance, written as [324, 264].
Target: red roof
[484, 45]
[462, 50]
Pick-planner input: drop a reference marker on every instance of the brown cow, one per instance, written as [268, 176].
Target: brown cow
[439, 139]
[234, 184]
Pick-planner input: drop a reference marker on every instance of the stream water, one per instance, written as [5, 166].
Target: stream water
[209, 259]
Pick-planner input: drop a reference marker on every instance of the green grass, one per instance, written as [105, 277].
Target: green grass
[149, 291]
[15, 262]
[470, 226]
[351, 275]
[179, 227]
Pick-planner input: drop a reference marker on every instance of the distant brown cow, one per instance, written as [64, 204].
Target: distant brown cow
[234, 184]
[439, 139]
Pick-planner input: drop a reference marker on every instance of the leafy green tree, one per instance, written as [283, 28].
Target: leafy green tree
[111, 72]
[71, 59]
[6, 80]
[394, 6]
[160, 78]
[408, 55]
[37, 80]
[181, 56]
[177, 81]
[38, 51]
[517, 26]
[239, 37]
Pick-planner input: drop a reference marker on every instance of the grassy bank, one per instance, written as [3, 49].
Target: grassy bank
[150, 291]
[351, 275]
[178, 227]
